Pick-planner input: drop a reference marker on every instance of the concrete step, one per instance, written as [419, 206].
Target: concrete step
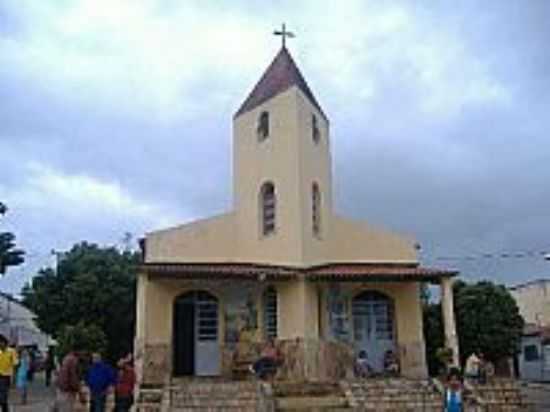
[213, 409]
[307, 403]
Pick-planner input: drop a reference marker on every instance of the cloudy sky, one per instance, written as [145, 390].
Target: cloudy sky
[115, 116]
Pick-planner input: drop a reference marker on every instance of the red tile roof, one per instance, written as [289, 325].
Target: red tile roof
[281, 74]
[383, 271]
[333, 272]
[531, 329]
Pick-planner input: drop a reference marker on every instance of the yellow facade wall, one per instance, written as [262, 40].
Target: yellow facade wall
[208, 240]
[292, 162]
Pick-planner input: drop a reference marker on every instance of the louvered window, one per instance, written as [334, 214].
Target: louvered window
[316, 209]
[263, 126]
[315, 132]
[268, 208]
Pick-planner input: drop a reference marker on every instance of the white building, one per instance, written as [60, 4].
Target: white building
[17, 323]
[533, 299]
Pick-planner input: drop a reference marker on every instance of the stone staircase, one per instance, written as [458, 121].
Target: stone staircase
[499, 395]
[203, 395]
[151, 399]
[392, 395]
[197, 395]
[309, 396]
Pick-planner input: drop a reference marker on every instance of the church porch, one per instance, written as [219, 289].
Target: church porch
[195, 320]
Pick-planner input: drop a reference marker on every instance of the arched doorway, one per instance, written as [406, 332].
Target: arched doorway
[195, 335]
[374, 326]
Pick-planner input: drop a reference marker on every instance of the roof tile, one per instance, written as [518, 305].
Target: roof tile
[281, 74]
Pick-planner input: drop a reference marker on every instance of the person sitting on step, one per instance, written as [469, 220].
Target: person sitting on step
[362, 366]
[270, 359]
[391, 363]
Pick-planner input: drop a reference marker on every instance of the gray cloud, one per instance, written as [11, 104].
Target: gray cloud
[439, 117]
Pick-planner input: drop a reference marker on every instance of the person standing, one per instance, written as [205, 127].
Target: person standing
[21, 376]
[49, 366]
[68, 384]
[454, 399]
[8, 361]
[124, 390]
[100, 378]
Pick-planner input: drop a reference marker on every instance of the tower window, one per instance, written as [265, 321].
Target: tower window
[267, 206]
[263, 126]
[315, 132]
[316, 209]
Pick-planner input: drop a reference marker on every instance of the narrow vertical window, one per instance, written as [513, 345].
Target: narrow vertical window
[316, 209]
[315, 132]
[268, 205]
[263, 126]
[270, 312]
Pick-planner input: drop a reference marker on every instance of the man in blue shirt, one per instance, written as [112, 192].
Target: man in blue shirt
[100, 378]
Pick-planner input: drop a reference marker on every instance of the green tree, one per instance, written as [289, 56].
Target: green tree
[433, 336]
[93, 286]
[487, 320]
[9, 254]
[81, 336]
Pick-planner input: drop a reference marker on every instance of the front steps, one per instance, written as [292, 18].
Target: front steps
[194, 395]
[190, 396]
[500, 395]
[371, 395]
[309, 396]
[395, 395]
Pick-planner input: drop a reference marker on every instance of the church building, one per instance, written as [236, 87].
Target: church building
[281, 264]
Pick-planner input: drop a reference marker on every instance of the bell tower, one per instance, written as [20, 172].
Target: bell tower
[282, 183]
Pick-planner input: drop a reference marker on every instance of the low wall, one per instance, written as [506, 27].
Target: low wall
[303, 359]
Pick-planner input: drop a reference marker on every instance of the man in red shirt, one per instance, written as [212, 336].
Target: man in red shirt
[124, 390]
[68, 384]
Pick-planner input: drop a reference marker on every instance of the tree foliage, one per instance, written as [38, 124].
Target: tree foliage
[93, 287]
[9, 254]
[81, 336]
[487, 320]
[433, 336]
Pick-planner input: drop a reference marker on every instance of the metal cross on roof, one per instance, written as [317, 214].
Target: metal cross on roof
[284, 34]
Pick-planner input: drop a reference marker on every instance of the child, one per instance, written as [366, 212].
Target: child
[21, 378]
[454, 401]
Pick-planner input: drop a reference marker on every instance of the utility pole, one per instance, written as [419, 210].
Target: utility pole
[58, 255]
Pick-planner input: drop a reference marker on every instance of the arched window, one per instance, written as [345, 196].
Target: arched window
[270, 312]
[263, 126]
[267, 208]
[316, 209]
[315, 132]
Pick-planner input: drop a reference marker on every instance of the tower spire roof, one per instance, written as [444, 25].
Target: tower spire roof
[281, 74]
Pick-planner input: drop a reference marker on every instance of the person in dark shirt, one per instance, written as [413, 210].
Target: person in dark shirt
[100, 379]
[49, 366]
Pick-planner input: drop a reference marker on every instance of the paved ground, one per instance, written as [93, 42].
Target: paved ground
[539, 394]
[39, 399]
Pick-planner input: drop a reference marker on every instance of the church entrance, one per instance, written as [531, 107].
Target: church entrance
[373, 326]
[195, 335]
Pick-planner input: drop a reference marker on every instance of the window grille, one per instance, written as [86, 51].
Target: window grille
[270, 312]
